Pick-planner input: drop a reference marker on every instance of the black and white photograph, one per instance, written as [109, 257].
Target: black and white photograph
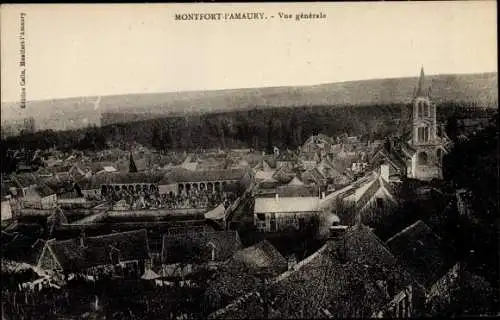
[249, 160]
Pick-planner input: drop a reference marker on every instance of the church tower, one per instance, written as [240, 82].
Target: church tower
[425, 139]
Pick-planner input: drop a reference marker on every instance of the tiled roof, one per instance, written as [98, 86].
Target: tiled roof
[287, 156]
[132, 245]
[240, 308]
[313, 175]
[322, 282]
[180, 175]
[21, 248]
[128, 178]
[368, 194]
[261, 255]
[44, 191]
[184, 247]
[264, 175]
[422, 252]
[307, 156]
[297, 191]
[283, 175]
[393, 157]
[25, 180]
[286, 204]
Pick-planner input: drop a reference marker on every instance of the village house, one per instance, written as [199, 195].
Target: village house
[426, 257]
[375, 194]
[336, 172]
[283, 175]
[309, 160]
[118, 254]
[286, 159]
[319, 144]
[6, 209]
[21, 184]
[352, 275]
[41, 197]
[368, 195]
[388, 154]
[186, 249]
[282, 210]
[314, 176]
[244, 272]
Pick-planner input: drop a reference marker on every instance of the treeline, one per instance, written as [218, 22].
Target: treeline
[254, 128]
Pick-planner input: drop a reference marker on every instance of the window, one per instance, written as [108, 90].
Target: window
[273, 224]
[422, 158]
[420, 109]
[439, 154]
[423, 134]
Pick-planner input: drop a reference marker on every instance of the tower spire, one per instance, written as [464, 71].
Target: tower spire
[420, 87]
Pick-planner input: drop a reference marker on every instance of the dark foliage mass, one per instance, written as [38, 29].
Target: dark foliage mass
[473, 165]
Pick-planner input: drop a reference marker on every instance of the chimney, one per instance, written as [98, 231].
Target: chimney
[384, 172]
[337, 236]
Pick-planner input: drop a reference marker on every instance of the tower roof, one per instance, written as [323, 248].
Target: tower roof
[420, 87]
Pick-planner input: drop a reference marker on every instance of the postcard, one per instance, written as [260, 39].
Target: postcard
[249, 160]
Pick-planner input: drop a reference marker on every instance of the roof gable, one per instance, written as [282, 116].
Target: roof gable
[71, 255]
[422, 252]
[287, 204]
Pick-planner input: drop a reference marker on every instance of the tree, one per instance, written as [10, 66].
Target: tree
[269, 147]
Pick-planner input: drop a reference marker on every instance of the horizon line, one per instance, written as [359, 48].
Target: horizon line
[243, 88]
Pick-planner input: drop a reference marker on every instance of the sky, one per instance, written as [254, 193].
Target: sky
[89, 50]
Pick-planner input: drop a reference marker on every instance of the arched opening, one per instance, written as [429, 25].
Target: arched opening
[202, 186]
[217, 186]
[131, 189]
[152, 188]
[138, 188]
[124, 188]
[210, 187]
[422, 158]
[439, 154]
[420, 107]
[117, 189]
[145, 188]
